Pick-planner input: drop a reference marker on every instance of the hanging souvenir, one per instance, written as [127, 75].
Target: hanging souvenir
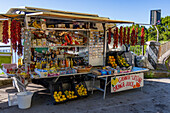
[128, 36]
[13, 35]
[121, 36]
[136, 36]
[124, 36]
[133, 37]
[109, 36]
[116, 36]
[5, 32]
[142, 36]
[18, 34]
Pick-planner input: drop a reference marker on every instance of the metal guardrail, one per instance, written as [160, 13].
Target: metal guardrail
[138, 49]
[164, 48]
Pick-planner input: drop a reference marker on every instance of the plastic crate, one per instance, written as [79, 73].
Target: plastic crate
[84, 85]
[60, 102]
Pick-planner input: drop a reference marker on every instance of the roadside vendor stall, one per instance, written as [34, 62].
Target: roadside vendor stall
[57, 47]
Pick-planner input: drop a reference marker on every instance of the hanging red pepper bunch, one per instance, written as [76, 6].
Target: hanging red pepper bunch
[128, 36]
[116, 37]
[121, 36]
[5, 32]
[71, 39]
[18, 34]
[136, 36]
[13, 35]
[142, 36]
[124, 36]
[133, 37]
[109, 36]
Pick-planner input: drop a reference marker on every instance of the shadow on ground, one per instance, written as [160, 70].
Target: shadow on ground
[154, 97]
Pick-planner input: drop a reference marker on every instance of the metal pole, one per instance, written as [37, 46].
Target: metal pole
[26, 25]
[15, 57]
[157, 33]
[105, 89]
[105, 44]
[143, 50]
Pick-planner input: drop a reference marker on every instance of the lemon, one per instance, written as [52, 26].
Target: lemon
[60, 92]
[57, 100]
[55, 93]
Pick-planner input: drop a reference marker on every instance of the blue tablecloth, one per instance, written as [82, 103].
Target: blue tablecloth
[138, 69]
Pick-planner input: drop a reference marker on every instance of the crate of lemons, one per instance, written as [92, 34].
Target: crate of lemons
[64, 96]
[81, 90]
[122, 61]
[112, 61]
[70, 94]
[59, 97]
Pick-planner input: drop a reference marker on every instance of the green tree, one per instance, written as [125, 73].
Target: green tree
[163, 28]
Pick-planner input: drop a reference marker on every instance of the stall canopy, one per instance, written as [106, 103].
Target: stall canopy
[4, 16]
[57, 14]
[77, 17]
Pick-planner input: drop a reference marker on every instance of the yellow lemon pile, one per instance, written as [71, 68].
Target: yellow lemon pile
[81, 90]
[112, 61]
[59, 96]
[70, 94]
[122, 61]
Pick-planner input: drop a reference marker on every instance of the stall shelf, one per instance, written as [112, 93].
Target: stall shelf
[58, 46]
[74, 74]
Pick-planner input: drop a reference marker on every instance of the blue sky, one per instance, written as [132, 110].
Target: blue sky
[131, 10]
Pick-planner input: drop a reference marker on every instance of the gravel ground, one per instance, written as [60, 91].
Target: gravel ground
[153, 98]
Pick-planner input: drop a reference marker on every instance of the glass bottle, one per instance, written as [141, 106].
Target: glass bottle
[71, 63]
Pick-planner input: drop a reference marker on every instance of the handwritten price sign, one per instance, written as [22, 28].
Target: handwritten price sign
[126, 82]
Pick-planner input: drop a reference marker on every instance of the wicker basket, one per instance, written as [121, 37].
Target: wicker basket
[83, 70]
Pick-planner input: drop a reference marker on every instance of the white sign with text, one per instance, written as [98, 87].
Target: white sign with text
[121, 83]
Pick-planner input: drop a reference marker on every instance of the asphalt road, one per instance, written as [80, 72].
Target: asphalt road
[153, 98]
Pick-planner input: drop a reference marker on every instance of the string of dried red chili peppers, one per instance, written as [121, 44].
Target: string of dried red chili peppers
[142, 36]
[133, 37]
[5, 32]
[128, 36]
[136, 36]
[124, 36]
[13, 35]
[109, 36]
[18, 33]
[121, 36]
[116, 37]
